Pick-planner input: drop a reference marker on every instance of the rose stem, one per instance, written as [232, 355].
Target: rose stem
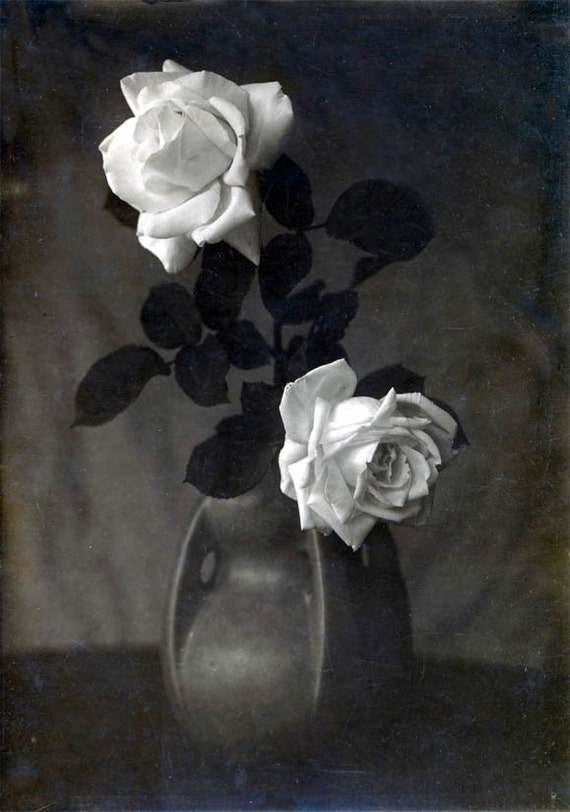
[277, 352]
[314, 228]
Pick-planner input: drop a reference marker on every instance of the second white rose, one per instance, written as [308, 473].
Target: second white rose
[352, 461]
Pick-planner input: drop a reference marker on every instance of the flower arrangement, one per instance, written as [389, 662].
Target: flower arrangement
[200, 162]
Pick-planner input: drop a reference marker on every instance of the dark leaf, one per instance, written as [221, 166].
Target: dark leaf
[170, 317]
[125, 214]
[222, 285]
[378, 383]
[249, 428]
[387, 220]
[286, 192]
[367, 267]
[336, 311]
[225, 467]
[296, 361]
[285, 261]
[300, 307]
[201, 372]
[238, 428]
[460, 438]
[306, 354]
[260, 419]
[260, 399]
[244, 345]
[260, 405]
[319, 353]
[114, 382]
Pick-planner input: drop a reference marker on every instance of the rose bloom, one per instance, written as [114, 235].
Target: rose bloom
[185, 159]
[352, 461]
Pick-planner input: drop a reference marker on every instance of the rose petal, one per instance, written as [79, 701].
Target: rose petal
[420, 471]
[321, 412]
[170, 66]
[352, 532]
[337, 494]
[144, 90]
[231, 114]
[333, 382]
[182, 219]
[271, 117]
[171, 92]
[355, 531]
[349, 425]
[238, 172]
[443, 427]
[412, 513]
[290, 454]
[247, 239]
[191, 159]
[370, 491]
[135, 83]
[361, 421]
[351, 413]
[155, 128]
[235, 209]
[218, 131]
[386, 408]
[124, 173]
[309, 479]
[398, 474]
[207, 85]
[175, 253]
[428, 445]
[302, 474]
[353, 460]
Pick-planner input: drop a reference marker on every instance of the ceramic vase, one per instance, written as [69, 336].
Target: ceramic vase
[278, 641]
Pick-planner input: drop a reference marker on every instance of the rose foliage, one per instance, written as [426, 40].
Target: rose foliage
[198, 162]
[186, 159]
[352, 461]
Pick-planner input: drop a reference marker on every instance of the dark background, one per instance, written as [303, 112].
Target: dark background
[466, 103]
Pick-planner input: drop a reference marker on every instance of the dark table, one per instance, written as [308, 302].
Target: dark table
[92, 730]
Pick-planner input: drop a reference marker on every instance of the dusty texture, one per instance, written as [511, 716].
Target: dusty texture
[461, 105]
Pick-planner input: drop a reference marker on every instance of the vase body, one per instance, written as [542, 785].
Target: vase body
[276, 638]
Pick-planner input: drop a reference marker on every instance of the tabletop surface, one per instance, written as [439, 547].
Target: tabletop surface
[93, 730]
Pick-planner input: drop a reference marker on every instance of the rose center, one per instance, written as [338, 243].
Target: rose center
[383, 461]
[388, 467]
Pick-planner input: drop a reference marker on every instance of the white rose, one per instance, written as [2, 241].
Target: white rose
[352, 461]
[185, 158]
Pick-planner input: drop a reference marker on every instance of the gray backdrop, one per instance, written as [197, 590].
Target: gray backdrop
[461, 102]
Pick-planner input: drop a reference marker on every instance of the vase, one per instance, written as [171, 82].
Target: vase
[275, 638]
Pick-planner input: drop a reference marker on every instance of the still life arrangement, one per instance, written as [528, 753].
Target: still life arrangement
[288, 580]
